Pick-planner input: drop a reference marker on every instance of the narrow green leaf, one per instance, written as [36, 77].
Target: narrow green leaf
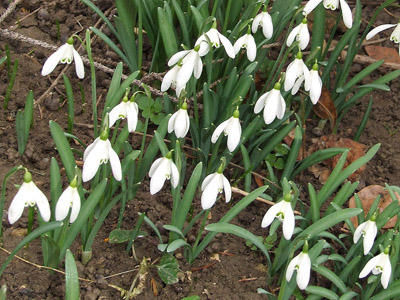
[176, 244]
[293, 154]
[321, 291]
[20, 129]
[71, 277]
[167, 32]
[115, 82]
[331, 276]
[70, 97]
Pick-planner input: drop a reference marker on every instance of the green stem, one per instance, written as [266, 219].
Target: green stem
[227, 13]
[215, 6]
[203, 223]
[31, 216]
[140, 36]
[93, 81]
[146, 125]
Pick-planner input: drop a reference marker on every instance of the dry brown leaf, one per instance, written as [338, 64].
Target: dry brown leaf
[325, 108]
[367, 196]
[385, 53]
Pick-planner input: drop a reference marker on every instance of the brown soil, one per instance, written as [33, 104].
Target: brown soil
[227, 269]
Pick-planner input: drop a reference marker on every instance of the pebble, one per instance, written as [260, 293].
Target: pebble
[43, 14]
[52, 103]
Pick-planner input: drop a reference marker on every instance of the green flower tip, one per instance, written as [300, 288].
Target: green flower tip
[27, 176]
[125, 99]
[197, 48]
[305, 247]
[373, 217]
[277, 86]
[248, 30]
[169, 155]
[315, 66]
[299, 55]
[74, 183]
[104, 135]
[221, 167]
[70, 40]
[214, 24]
[184, 106]
[288, 197]
[387, 250]
[304, 21]
[236, 114]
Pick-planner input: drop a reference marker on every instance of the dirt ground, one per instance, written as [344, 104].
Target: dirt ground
[227, 269]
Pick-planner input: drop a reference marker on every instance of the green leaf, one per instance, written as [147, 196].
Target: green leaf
[167, 32]
[118, 236]
[194, 297]
[323, 292]
[3, 289]
[331, 276]
[168, 269]
[176, 244]
[174, 229]
[71, 277]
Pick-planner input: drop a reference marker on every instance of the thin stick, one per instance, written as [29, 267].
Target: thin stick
[9, 10]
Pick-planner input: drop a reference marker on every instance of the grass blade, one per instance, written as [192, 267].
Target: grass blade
[71, 277]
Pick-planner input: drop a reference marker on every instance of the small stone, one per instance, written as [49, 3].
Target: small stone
[43, 14]
[52, 103]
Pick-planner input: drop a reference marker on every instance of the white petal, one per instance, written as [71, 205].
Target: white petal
[234, 135]
[251, 48]
[316, 86]
[218, 131]
[115, 114]
[306, 72]
[358, 232]
[198, 67]
[293, 34]
[268, 27]
[227, 45]
[395, 36]
[90, 148]
[115, 162]
[239, 43]
[304, 36]
[291, 267]
[177, 57]
[80, 70]
[378, 29]
[271, 214]
[64, 204]
[186, 70]
[210, 193]
[41, 202]
[155, 165]
[303, 274]
[171, 121]
[288, 222]
[291, 75]
[18, 203]
[347, 15]
[92, 162]
[169, 77]
[207, 180]
[227, 188]
[76, 206]
[311, 5]
[297, 85]
[51, 63]
[386, 273]
[132, 115]
[260, 104]
[174, 174]
[369, 237]
[271, 107]
[256, 22]
[158, 176]
[369, 266]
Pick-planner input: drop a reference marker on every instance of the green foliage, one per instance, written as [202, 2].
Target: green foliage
[168, 269]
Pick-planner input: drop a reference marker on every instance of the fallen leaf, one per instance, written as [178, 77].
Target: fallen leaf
[367, 196]
[19, 232]
[386, 53]
[325, 107]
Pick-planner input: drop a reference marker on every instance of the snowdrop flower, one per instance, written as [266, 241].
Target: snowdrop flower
[171, 78]
[301, 263]
[97, 153]
[163, 168]
[232, 129]
[395, 36]
[379, 264]
[333, 5]
[126, 109]
[301, 34]
[216, 40]
[264, 20]
[179, 122]
[273, 104]
[65, 54]
[368, 230]
[69, 199]
[28, 195]
[191, 63]
[247, 42]
[284, 212]
[315, 84]
[296, 73]
[213, 185]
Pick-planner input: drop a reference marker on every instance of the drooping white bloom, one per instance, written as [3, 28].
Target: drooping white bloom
[395, 36]
[213, 185]
[163, 168]
[125, 109]
[179, 122]
[264, 20]
[217, 39]
[284, 212]
[191, 63]
[69, 199]
[246, 41]
[65, 54]
[333, 5]
[273, 104]
[296, 73]
[97, 153]
[232, 129]
[171, 78]
[379, 264]
[301, 263]
[299, 33]
[368, 230]
[315, 84]
[28, 195]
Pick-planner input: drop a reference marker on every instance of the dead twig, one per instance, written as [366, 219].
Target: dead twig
[11, 7]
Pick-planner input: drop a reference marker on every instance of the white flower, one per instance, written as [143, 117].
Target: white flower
[191, 63]
[368, 230]
[65, 54]
[232, 129]
[213, 185]
[97, 153]
[301, 263]
[179, 122]
[28, 195]
[301, 34]
[263, 19]
[163, 168]
[216, 40]
[247, 42]
[296, 73]
[395, 36]
[315, 84]
[125, 109]
[273, 104]
[379, 264]
[284, 212]
[171, 78]
[69, 199]
[333, 5]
